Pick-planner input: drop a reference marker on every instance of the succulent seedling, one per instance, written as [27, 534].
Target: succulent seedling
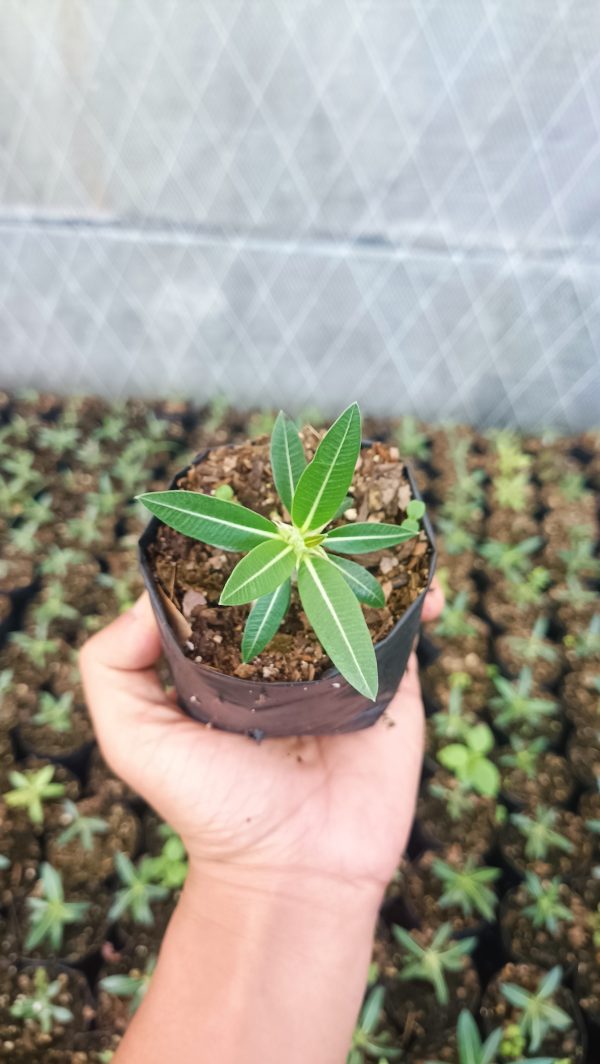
[469, 762]
[529, 589]
[431, 963]
[511, 560]
[586, 644]
[81, 827]
[457, 539]
[411, 440]
[58, 438]
[534, 647]
[137, 893]
[539, 1013]
[467, 888]
[524, 756]
[132, 986]
[366, 1044]
[331, 587]
[458, 800]
[31, 788]
[49, 913]
[86, 529]
[579, 558]
[513, 703]
[455, 622]
[510, 456]
[471, 1048]
[170, 868]
[55, 711]
[39, 1008]
[540, 834]
[39, 511]
[545, 909]
[454, 723]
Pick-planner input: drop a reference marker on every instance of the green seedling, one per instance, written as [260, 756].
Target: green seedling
[467, 888]
[113, 428]
[411, 440]
[39, 511]
[529, 589]
[430, 964]
[469, 762]
[39, 1008]
[512, 492]
[20, 467]
[58, 438]
[524, 756]
[511, 560]
[594, 926]
[50, 913]
[511, 458]
[90, 456]
[31, 788]
[540, 834]
[6, 681]
[59, 560]
[534, 647]
[261, 423]
[472, 1050]
[23, 537]
[578, 558]
[458, 800]
[586, 644]
[81, 827]
[55, 712]
[108, 499]
[216, 414]
[455, 622]
[170, 868]
[513, 703]
[123, 588]
[366, 1044]
[546, 908]
[456, 538]
[454, 723]
[138, 893]
[87, 528]
[132, 986]
[331, 587]
[225, 493]
[4, 863]
[539, 1013]
[53, 606]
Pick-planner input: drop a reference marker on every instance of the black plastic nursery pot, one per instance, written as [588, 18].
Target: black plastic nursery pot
[325, 706]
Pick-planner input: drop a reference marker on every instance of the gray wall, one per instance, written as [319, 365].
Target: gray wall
[303, 202]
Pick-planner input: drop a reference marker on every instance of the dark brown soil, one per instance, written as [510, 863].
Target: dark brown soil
[581, 698]
[193, 574]
[496, 1011]
[21, 848]
[536, 945]
[436, 678]
[584, 754]
[565, 865]
[552, 784]
[40, 740]
[420, 890]
[512, 660]
[114, 1013]
[506, 526]
[475, 829]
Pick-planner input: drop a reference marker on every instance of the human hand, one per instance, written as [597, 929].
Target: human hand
[336, 807]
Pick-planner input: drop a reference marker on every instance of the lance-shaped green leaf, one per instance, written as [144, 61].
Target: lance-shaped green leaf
[259, 573]
[325, 481]
[367, 536]
[337, 619]
[288, 460]
[360, 580]
[220, 524]
[264, 619]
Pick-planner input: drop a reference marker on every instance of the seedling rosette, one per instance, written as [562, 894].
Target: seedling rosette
[299, 547]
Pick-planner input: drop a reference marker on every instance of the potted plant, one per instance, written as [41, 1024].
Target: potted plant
[298, 524]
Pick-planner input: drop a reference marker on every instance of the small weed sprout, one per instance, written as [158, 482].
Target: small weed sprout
[81, 827]
[39, 1008]
[138, 893]
[467, 888]
[31, 788]
[431, 963]
[540, 834]
[366, 1044]
[539, 1014]
[546, 908]
[469, 762]
[132, 986]
[50, 913]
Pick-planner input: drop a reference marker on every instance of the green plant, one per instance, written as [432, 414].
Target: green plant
[512, 560]
[366, 1044]
[58, 438]
[454, 723]
[216, 414]
[122, 587]
[510, 457]
[4, 863]
[170, 868]
[23, 537]
[539, 1013]
[578, 558]
[132, 986]
[330, 587]
[55, 712]
[260, 423]
[81, 827]
[546, 908]
[39, 511]
[458, 800]
[86, 529]
[534, 647]
[59, 560]
[524, 756]
[412, 441]
[31, 788]
[454, 622]
[20, 466]
[530, 588]
[469, 762]
[513, 703]
[471, 1049]
[431, 963]
[456, 538]
[50, 913]
[540, 834]
[586, 644]
[39, 1008]
[38, 648]
[467, 888]
[137, 893]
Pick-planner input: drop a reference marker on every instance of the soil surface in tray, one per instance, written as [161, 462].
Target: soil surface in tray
[192, 574]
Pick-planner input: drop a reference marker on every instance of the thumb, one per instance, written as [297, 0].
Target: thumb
[121, 686]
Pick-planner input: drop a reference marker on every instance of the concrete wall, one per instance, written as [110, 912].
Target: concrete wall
[296, 202]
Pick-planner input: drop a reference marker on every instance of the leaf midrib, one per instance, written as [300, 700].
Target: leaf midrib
[336, 619]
